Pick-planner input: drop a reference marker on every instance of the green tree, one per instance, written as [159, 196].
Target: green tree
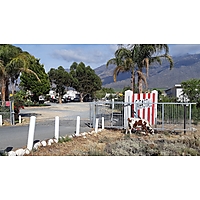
[125, 61]
[136, 57]
[28, 81]
[60, 78]
[99, 94]
[85, 80]
[146, 54]
[12, 61]
[191, 88]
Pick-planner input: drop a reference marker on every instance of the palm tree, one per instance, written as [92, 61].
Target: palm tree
[146, 54]
[12, 61]
[125, 61]
[19, 65]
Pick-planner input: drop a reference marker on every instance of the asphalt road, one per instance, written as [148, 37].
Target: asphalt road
[17, 136]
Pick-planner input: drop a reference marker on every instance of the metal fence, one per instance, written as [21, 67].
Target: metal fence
[6, 112]
[169, 116]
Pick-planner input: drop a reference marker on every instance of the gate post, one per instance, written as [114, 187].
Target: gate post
[127, 106]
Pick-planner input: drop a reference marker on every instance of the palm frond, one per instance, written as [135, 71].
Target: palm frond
[116, 71]
[141, 76]
[26, 70]
[111, 61]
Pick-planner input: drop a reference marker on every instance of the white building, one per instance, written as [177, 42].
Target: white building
[177, 92]
[71, 93]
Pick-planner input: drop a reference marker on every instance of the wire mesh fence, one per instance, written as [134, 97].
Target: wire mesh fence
[168, 116]
[5, 112]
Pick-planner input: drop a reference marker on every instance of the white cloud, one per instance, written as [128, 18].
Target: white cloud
[89, 54]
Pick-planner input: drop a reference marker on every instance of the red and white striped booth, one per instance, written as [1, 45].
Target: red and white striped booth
[143, 105]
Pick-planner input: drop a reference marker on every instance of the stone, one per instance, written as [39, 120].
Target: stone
[20, 152]
[44, 143]
[12, 153]
[50, 141]
[55, 140]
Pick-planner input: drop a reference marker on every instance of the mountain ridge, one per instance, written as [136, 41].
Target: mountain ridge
[160, 76]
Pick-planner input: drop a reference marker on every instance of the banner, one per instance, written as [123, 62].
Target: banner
[145, 106]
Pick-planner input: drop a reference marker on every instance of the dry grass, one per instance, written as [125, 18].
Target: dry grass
[116, 143]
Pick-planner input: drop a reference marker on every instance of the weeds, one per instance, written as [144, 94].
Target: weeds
[64, 139]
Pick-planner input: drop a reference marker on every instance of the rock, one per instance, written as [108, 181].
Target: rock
[84, 133]
[55, 140]
[70, 136]
[12, 153]
[36, 145]
[20, 152]
[27, 151]
[92, 132]
[44, 143]
[50, 141]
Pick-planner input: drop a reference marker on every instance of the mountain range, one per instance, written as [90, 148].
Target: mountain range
[160, 76]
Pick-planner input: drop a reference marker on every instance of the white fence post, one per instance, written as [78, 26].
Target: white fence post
[31, 132]
[78, 126]
[102, 119]
[56, 127]
[127, 108]
[20, 119]
[96, 125]
[0, 120]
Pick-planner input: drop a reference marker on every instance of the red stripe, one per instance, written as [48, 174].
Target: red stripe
[149, 110]
[132, 107]
[153, 109]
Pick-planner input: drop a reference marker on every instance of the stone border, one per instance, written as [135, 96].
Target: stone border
[48, 142]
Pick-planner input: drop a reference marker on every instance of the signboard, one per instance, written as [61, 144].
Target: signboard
[145, 106]
[8, 103]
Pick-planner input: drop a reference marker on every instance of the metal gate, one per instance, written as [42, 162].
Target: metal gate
[169, 116]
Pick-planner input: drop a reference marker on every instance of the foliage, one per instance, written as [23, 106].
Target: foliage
[85, 80]
[99, 94]
[138, 56]
[29, 82]
[19, 102]
[64, 139]
[191, 89]
[61, 79]
[13, 61]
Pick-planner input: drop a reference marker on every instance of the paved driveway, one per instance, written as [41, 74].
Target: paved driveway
[17, 136]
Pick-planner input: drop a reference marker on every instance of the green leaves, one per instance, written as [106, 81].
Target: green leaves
[60, 78]
[85, 80]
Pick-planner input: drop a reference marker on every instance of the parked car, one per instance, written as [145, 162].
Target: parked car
[77, 99]
[67, 99]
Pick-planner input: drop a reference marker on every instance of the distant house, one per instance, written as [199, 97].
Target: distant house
[176, 92]
[72, 94]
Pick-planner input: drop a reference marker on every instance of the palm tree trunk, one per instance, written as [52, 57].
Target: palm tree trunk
[3, 91]
[133, 80]
[140, 86]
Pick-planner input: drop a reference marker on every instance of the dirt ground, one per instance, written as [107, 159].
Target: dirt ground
[116, 143]
[112, 142]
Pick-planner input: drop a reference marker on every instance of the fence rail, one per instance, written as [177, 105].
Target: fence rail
[169, 116]
[7, 112]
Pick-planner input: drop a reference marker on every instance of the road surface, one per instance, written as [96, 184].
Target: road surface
[17, 136]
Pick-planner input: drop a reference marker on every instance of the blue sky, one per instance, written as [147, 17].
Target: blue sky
[55, 55]
[94, 55]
